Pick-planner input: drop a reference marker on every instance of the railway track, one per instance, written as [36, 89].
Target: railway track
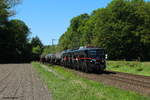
[138, 80]
[129, 74]
[136, 83]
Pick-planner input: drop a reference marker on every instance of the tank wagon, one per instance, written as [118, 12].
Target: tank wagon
[42, 58]
[87, 59]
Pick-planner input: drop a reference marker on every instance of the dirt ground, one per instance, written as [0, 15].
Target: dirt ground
[21, 82]
[136, 83]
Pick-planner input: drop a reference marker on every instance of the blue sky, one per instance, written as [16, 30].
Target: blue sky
[49, 19]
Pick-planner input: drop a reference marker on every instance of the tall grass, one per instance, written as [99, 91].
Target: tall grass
[134, 67]
[65, 85]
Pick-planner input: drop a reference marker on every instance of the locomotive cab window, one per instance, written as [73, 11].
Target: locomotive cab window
[96, 53]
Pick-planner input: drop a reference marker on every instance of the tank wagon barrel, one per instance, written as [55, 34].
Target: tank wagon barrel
[87, 59]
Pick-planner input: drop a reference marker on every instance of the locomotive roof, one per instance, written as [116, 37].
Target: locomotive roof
[82, 49]
[90, 48]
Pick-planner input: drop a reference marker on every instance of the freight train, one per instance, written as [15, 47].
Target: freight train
[87, 59]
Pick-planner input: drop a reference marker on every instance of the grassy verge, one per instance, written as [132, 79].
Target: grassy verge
[135, 67]
[65, 85]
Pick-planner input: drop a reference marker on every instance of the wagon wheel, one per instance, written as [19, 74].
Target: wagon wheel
[77, 65]
[83, 66]
[86, 69]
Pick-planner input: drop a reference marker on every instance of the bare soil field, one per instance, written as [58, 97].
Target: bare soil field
[21, 82]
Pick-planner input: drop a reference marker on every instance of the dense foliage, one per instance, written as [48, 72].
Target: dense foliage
[122, 28]
[37, 48]
[14, 41]
[50, 49]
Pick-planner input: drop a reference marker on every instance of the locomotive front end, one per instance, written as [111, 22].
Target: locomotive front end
[97, 59]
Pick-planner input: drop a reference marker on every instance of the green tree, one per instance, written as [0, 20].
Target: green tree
[36, 42]
[18, 39]
[50, 49]
[72, 37]
[122, 28]
[36, 50]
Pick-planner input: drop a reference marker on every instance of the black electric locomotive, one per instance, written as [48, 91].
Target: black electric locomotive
[87, 59]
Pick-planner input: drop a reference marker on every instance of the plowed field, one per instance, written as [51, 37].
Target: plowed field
[21, 82]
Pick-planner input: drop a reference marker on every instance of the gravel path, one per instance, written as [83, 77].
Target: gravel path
[21, 82]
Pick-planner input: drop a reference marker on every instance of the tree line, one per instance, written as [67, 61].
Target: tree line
[122, 28]
[15, 44]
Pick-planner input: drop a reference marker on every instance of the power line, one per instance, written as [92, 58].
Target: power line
[53, 41]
